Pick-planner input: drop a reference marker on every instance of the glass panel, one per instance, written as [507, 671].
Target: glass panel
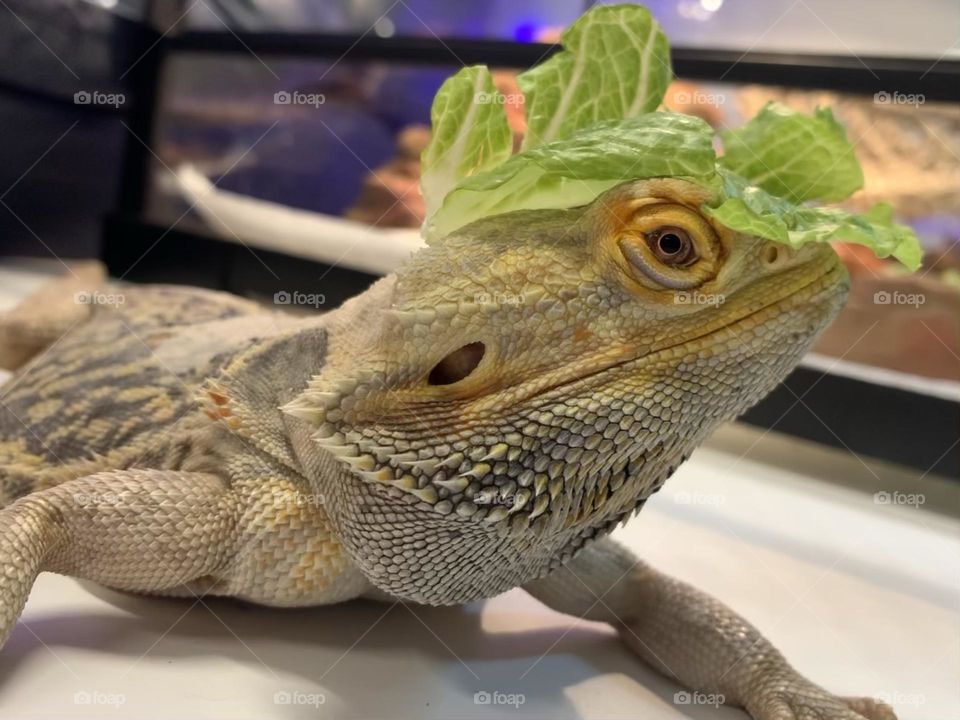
[827, 27]
[855, 27]
[342, 139]
[910, 153]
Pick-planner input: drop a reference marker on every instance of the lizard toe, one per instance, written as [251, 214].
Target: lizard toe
[870, 708]
[809, 702]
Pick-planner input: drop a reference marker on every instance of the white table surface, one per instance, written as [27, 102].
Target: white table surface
[863, 597]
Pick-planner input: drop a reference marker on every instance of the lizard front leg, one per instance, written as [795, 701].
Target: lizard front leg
[692, 637]
[141, 530]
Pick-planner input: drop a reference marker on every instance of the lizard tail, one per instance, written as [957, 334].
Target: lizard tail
[44, 315]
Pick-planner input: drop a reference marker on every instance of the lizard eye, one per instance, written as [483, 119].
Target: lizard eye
[671, 245]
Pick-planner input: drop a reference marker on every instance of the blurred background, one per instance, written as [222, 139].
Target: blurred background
[272, 146]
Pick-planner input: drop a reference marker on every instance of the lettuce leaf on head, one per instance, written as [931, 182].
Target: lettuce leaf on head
[593, 123]
[469, 134]
[794, 156]
[762, 215]
[574, 171]
[615, 65]
[761, 198]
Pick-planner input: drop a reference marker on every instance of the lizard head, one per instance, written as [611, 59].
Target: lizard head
[542, 372]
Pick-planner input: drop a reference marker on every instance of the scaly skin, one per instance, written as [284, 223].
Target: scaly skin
[478, 421]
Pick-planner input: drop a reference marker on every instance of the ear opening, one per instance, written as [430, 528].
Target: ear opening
[457, 365]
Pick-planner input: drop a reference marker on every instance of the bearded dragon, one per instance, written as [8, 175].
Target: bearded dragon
[478, 421]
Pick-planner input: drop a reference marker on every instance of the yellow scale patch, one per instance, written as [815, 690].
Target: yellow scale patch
[295, 554]
[158, 409]
[71, 379]
[13, 453]
[43, 411]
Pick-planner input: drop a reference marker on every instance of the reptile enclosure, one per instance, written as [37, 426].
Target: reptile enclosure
[833, 403]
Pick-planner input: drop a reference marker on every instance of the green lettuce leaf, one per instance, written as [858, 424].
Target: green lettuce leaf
[574, 171]
[794, 156]
[592, 125]
[615, 65]
[469, 133]
[734, 213]
[748, 209]
[874, 228]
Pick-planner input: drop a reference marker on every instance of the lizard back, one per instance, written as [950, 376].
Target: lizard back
[110, 386]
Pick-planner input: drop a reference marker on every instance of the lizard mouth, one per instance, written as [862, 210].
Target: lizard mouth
[822, 287]
[813, 292]
[821, 290]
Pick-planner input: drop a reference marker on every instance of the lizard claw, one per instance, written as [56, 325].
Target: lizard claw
[870, 708]
[805, 701]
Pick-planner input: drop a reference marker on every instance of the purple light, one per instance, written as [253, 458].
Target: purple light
[525, 32]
